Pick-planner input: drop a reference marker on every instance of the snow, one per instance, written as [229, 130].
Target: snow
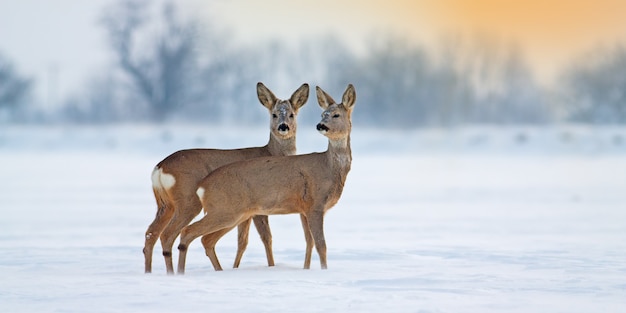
[468, 220]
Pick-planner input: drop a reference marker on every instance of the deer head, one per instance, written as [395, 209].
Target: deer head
[336, 118]
[283, 112]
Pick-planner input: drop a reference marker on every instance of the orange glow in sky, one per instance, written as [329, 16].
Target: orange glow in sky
[550, 32]
[562, 24]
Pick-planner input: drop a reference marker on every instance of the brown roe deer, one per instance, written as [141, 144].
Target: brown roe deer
[175, 180]
[309, 184]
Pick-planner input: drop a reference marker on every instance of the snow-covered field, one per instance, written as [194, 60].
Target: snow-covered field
[469, 220]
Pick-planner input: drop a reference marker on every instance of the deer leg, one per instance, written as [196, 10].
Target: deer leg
[183, 216]
[316, 225]
[209, 241]
[309, 241]
[243, 229]
[262, 224]
[209, 224]
[162, 218]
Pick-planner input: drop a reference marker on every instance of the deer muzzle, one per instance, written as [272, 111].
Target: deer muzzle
[283, 128]
[322, 128]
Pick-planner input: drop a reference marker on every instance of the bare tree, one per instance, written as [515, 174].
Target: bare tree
[594, 88]
[488, 81]
[14, 89]
[160, 69]
[395, 84]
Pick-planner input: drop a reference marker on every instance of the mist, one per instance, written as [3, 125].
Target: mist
[168, 66]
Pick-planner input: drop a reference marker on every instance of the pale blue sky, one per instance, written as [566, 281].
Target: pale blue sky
[60, 41]
[62, 38]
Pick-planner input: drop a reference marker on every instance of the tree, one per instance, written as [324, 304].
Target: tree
[595, 88]
[161, 69]
[393, 83]
[489, 82]
[14, 89]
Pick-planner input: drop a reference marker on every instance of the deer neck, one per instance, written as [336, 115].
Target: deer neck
[340, 156]
[280, 147]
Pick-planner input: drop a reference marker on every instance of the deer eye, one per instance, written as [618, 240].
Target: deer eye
[274, 116]
[291, 115]
[336, 116]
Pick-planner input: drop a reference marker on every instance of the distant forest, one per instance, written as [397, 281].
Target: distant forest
[169, 68]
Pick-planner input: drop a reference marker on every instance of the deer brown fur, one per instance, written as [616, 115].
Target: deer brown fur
[309, 184]
[175, 180]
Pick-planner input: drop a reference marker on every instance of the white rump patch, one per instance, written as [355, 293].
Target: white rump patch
[162, 180]
[200, 192]
[167, 180]
[156, 182]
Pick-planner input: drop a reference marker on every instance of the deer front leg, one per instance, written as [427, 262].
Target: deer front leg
[262, 224]
[309, 241]
[316, 225]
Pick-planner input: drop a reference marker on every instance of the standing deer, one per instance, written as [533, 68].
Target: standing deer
[309, 184]
[175, 181]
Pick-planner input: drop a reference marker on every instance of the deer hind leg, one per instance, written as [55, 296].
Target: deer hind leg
[186, 211]
[209, 224]
[243, 229]
[209, 241]
[262, 224]
[163, 216]
[309, 241]
[316, 225]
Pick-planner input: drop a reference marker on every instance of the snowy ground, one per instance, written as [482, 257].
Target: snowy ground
[474, 220]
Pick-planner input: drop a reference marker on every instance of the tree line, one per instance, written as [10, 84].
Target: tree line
[170, 68]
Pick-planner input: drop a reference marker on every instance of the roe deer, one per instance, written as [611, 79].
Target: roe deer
[309, 184]
[175, 180]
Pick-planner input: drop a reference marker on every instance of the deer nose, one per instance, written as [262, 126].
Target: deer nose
[322, 127]
[283, 127]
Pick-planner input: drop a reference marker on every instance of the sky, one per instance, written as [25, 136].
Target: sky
[60, 43]
[549, 32]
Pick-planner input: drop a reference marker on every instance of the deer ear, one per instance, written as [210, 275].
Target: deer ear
[349, 97]
[324, 99]
[267, 98]
[299, 97]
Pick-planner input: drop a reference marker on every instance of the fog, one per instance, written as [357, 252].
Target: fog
[157, 62]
